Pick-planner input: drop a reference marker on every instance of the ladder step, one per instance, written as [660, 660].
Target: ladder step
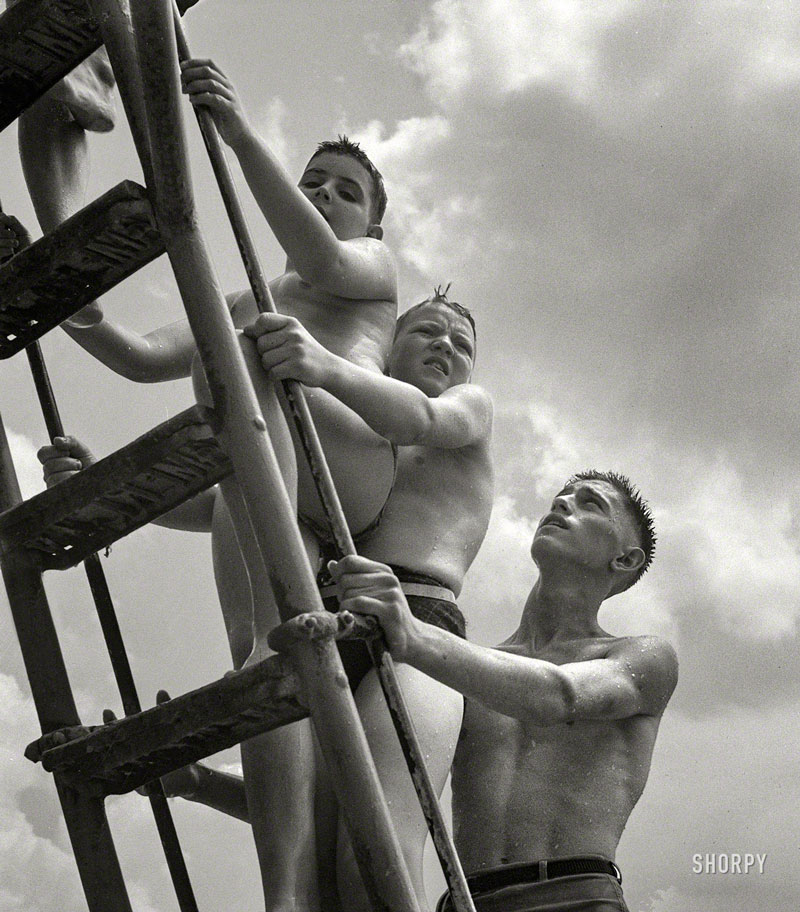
[118, 757]
[40, 42]
[82, 259]
[128, 489]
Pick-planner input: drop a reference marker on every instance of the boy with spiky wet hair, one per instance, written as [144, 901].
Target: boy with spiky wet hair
[430, 532]
[560, 719]
[638, 509]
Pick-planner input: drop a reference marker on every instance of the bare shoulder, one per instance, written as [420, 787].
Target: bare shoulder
[475, 407]
[652, 664]
[366, 269]
[242, 306]
[470, 394]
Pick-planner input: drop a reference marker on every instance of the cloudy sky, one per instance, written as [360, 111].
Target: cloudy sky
[614, 189]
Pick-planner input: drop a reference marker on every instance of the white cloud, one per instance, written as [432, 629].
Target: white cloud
[36, 843]
[423, 225]
[270, 123]
[505, 45]
[501, 577]
[737, 551]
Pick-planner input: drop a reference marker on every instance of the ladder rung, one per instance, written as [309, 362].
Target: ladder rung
[82, 259]
[40, 42]
[118, 757]
[160, 470]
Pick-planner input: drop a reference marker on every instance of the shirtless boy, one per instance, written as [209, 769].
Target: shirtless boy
[430, 532]
[560, 719]
[340, 282]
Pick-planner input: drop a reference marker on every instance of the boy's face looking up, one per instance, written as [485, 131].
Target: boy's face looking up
[340, 188]
[434, 349]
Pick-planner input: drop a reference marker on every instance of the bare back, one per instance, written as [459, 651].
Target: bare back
[523, 792]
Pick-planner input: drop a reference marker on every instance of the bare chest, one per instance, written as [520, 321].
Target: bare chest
[356, 329]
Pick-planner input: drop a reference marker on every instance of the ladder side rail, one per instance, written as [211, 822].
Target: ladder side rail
[295, 395]
[117, 653]
[92, 843]
[244, 433]
[114, 19]
[294, 392]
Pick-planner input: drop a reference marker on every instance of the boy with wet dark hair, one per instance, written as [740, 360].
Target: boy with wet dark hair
[560, 719]
[340, 281]
[343, 145]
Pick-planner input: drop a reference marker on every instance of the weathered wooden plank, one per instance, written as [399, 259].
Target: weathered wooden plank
[122, 755]
[86, 513]
[82, 259]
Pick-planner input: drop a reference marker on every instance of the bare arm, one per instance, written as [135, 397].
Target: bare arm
[636, 678]
[356, 268]
[197, 782]
[164, 354]
[459, 417]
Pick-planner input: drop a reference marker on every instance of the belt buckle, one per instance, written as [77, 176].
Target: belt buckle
[617, 872]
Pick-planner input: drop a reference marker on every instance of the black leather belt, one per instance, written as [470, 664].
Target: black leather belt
[532, 872]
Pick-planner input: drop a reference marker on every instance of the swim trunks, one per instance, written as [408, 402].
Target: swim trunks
[429, 600]
[589, 883]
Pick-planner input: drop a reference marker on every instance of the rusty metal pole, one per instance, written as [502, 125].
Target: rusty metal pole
[247, 442]
[307, 434]
[85, 816]
[114, 19]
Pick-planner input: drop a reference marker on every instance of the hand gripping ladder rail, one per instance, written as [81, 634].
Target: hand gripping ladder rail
[40, 41]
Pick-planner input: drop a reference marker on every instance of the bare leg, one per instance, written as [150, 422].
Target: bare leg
[87, 93]
[55, 161]
[52, 138]
[326, 817]
[278, 767]
[437, 711]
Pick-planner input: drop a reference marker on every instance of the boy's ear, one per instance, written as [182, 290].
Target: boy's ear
[632, 559]
[375, 231]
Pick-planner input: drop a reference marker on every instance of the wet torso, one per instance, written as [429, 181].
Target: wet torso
[523, 792]
[359, 330]
[438, 513]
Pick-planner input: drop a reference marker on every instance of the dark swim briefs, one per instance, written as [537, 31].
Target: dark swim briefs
[429, 600]
[589, 883]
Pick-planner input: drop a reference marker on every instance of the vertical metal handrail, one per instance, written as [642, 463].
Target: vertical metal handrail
[272, 517]
[295, 395]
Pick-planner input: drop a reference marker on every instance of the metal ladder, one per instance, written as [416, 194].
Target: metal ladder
[41, 41]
